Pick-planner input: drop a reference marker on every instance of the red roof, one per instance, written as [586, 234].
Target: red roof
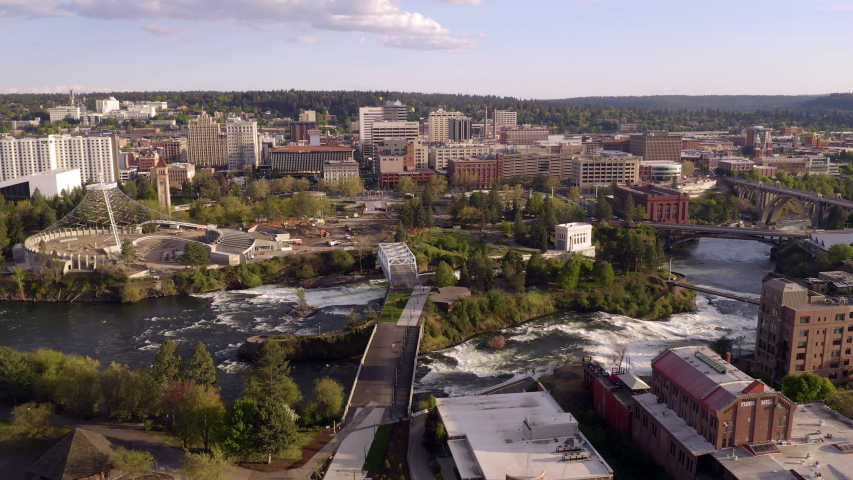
[307, 148]
[684, 375]
[161, 164]
[754, 387]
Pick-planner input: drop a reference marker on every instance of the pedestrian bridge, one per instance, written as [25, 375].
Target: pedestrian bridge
[399, 265]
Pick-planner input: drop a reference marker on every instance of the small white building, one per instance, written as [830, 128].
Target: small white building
[515, 436]
[575, 238]
[50, 184]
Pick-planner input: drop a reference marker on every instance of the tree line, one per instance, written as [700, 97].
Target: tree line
[181, 397]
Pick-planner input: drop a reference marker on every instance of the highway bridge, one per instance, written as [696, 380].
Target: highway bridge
[675, 233]
[769, 200]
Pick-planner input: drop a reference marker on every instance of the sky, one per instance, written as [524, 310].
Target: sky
[520, 48]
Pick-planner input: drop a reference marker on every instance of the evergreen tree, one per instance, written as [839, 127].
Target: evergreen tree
[400, 234]
[519, 229]
[605, 210]
[603, 273]
[276, 426]
[195, 254]
[464, 276]
[444, 276]
[628, 209]
[202, 368]
[168, 366]
[271, 376]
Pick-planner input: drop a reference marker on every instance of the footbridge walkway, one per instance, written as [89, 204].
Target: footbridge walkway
[385, 377]
[712, 291]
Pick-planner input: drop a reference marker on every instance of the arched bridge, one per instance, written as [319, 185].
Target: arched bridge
[674, 233]
[769, 200]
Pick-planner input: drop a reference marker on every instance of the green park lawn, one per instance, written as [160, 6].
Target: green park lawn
[394, 305]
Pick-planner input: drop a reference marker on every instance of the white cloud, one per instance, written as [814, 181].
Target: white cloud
[463, 2]
[382, 17]
[303, 40]
[166, 30]
[428, 43]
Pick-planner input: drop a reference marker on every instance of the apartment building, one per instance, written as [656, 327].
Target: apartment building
[505, 118]
[605, 168]
[175, 150]
[440, 154]
[206, 143]
[307, 160]
[656, 145]
[94, 157]
[242, 144]
[439, 125]
[803, 330]
[308, 116]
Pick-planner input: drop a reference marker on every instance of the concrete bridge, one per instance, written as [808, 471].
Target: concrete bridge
[674, 233]
[769, 200]
[740, 298]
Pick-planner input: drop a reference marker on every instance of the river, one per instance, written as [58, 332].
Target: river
[223, 320]
[132, 333]
[537, 347]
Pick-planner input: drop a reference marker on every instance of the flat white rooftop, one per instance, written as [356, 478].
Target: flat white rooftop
[487, 438]
[821, 455]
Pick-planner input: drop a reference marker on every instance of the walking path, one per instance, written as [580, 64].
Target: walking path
[352, 452]
[418, 456]
[414, 307]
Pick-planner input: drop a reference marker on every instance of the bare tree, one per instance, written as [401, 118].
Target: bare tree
[617, 358]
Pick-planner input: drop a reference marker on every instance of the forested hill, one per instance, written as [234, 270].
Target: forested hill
[736, 103]
[835, 101]
[589, 115]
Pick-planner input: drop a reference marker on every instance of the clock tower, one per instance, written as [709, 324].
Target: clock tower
[161, 180]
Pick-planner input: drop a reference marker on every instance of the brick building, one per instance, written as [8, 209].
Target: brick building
[523, 135]
[800, 330]
[299, 130]
[662, 204]
[486, 170]
[175, 150]
[701, 403]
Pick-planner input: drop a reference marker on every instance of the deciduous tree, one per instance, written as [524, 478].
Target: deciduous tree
[806, 387]
[444, 276]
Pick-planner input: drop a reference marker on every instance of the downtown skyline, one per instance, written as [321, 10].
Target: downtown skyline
[543, 49]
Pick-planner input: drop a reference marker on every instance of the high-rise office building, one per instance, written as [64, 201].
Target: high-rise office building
[439, 125]
[242, 144]
[656, 146]
[206, 144]
[366, 117]
[382, 130]
[605, 168]
[94, 156]
[395, 112]
[459, 129]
